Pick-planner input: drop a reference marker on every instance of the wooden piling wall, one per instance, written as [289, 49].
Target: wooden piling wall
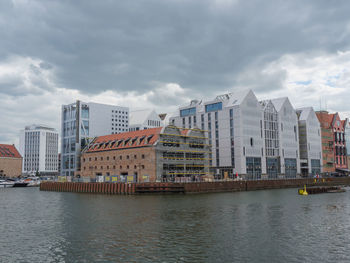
[195, 187]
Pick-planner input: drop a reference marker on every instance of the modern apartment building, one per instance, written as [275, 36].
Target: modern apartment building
[150, 155]
[234, 123]
[310, 144]
[81, 122]
[144, 119]
[39, 148]
[288, 138]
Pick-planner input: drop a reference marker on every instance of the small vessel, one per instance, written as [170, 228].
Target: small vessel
[6, 184]
[20, 184]
[303, 191]
[32, 181]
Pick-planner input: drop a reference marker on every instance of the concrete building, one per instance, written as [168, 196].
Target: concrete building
[156, 154]
[310, 144]
[144, 119]
[288, 138]
[271, 136]
[10, 161]
[39, 148]
[81, 122]
[234, 123]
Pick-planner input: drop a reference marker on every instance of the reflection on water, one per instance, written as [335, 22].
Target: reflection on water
[260, 226]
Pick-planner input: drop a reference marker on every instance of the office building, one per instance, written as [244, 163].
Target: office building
[81, 122]
[39, 148]
[234, 123]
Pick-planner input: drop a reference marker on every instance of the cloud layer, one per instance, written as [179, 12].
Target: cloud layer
[160, 54]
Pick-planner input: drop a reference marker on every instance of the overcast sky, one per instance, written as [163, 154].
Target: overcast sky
[162, 53]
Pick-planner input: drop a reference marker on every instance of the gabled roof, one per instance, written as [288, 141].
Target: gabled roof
[325, 119]
[9, 151]
[139, 116]
[304, 113]
[237, 97]
[278, 103]
[133, 139]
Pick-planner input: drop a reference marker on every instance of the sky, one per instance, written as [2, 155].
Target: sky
[160, 54]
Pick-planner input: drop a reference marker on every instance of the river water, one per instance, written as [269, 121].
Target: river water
[259, 226]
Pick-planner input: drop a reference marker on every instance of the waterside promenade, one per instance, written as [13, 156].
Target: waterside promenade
[188, 188]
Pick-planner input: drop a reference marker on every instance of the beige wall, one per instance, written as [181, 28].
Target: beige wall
[11, 167]
[131, 161]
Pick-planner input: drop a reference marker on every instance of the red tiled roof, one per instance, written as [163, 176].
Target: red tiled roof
[125, 140]
[325, 117]
[7, 150]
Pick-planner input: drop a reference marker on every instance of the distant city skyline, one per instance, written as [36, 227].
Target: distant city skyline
[162, 54]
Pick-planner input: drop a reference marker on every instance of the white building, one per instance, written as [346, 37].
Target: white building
[144, 119]
[235, 129]
[310, 142]
[271, 136]
[82, 121]
[288, 138]
[39, 148]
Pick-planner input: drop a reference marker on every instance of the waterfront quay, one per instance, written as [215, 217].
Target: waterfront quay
[188, 188]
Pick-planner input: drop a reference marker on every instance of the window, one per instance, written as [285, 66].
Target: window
[251, 141]
[143, 156]
[213, 107]
[187, 112]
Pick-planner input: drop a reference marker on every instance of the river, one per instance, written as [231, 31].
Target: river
[257, 226]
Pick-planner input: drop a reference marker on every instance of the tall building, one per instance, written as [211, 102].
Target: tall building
[271, 135]
[333, 142]
[81, 122]
[158, 154]
[234, 123]
[288, 138]
[39, 148]
[10, 161]
[144, 119]
[310, 144]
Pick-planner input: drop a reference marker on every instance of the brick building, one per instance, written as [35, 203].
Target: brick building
[333, 142]
[10, 161]
[157, 154]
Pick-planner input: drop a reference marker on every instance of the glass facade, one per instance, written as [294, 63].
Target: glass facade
[187, 112]
[253, 168]
[213, 107]
[272, 167]
[290, 167]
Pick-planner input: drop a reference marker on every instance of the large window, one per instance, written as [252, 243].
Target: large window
[85, 112]
[186, 112]
[290, 168]
[213, 107]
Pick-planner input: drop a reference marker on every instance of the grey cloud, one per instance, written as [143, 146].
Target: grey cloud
[188, 42]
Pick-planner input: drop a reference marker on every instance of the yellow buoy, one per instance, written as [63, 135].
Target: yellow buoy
[303, 191]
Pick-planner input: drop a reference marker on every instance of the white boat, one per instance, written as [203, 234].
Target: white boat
[32, 181]
[6, 184]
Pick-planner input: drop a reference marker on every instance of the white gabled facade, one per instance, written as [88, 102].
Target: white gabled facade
[310, 142]
[39, 148]
[288, 138]
[144, 119]
[235, 130]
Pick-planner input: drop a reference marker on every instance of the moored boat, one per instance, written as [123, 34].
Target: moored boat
[6, 184]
